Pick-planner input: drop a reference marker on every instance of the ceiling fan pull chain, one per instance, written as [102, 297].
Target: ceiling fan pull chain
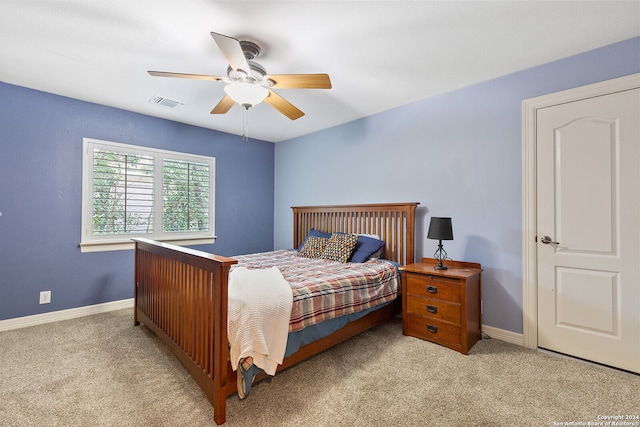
[245, 123]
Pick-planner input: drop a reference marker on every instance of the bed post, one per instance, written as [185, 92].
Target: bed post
[221, 350]
[296, 229]
[410, 245]
[136, 282]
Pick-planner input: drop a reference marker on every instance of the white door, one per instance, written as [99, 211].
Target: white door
[588, 228]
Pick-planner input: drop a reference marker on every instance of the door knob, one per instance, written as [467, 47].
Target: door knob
[546, 240]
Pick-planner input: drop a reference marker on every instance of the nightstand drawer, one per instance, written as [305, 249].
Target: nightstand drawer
[433, 287]
[434, 308]
[433, 330]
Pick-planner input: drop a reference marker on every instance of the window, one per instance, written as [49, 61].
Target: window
[130, 191]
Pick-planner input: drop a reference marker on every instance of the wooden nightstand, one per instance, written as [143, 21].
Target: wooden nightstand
[442, 306]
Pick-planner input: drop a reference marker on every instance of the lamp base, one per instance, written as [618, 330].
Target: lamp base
[440, 255]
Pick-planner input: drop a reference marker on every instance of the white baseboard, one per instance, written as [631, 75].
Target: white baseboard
[503, 335]
[56, 316]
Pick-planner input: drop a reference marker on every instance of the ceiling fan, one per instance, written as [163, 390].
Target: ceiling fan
[247, 81]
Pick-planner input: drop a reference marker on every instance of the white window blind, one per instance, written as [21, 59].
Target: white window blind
[131, 191]
[185, 196]
[122, 193]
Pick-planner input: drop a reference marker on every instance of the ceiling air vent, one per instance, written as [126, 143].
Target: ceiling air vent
[165, 102]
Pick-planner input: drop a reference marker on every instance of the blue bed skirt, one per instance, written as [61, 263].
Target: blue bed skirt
[320, 330]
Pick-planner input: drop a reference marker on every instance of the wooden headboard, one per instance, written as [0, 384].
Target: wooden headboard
[392, 222]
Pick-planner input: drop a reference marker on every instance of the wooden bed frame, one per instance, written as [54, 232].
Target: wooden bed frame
[181, 294]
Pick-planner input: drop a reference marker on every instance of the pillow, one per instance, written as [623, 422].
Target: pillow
[377, 254]
[313, 247]
[365, 248]
[316, 233]
[340, 247]
[373, 236]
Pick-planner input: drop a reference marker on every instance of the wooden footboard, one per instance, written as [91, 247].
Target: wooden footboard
[181, 294]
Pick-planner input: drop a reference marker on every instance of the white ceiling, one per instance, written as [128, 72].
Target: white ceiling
[379, 54]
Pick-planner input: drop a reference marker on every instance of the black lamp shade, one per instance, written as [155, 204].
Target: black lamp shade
[440, 229]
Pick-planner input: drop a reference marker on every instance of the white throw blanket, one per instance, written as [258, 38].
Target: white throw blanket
[260, 302]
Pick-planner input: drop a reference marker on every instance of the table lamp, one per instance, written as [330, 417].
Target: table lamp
[440, 229]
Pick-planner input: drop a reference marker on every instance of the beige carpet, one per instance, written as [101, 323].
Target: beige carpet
[102, 371]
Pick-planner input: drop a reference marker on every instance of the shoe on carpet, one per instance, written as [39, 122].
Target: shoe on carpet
[245, 379]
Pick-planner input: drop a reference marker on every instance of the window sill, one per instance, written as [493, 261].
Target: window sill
[129, 245]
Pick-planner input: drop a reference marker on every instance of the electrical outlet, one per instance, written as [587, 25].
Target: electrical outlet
[45, 297]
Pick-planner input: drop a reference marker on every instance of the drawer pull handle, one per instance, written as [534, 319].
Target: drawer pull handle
[432, 289]
[432, 329]
[432, 309]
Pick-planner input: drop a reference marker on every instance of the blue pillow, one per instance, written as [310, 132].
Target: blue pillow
[314, 232]
[366, 247]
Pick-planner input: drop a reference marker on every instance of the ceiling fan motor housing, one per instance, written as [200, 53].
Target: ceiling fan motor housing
[256, 76]
[250, 50]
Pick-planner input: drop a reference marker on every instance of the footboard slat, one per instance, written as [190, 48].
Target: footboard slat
[175, 290]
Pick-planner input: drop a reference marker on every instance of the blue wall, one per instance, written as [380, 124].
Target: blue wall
[40, 195]
[458, 154]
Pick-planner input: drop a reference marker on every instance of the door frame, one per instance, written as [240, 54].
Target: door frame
[529, 190]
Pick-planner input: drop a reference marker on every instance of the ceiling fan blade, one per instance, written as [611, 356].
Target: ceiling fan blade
[185, 76]
[303, 81]
[232, 51]
[223, 106]
[284, 106]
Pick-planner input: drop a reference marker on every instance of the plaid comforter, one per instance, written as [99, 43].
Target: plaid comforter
[325, 289]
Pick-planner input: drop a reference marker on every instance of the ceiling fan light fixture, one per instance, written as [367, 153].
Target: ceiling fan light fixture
[246, 94]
